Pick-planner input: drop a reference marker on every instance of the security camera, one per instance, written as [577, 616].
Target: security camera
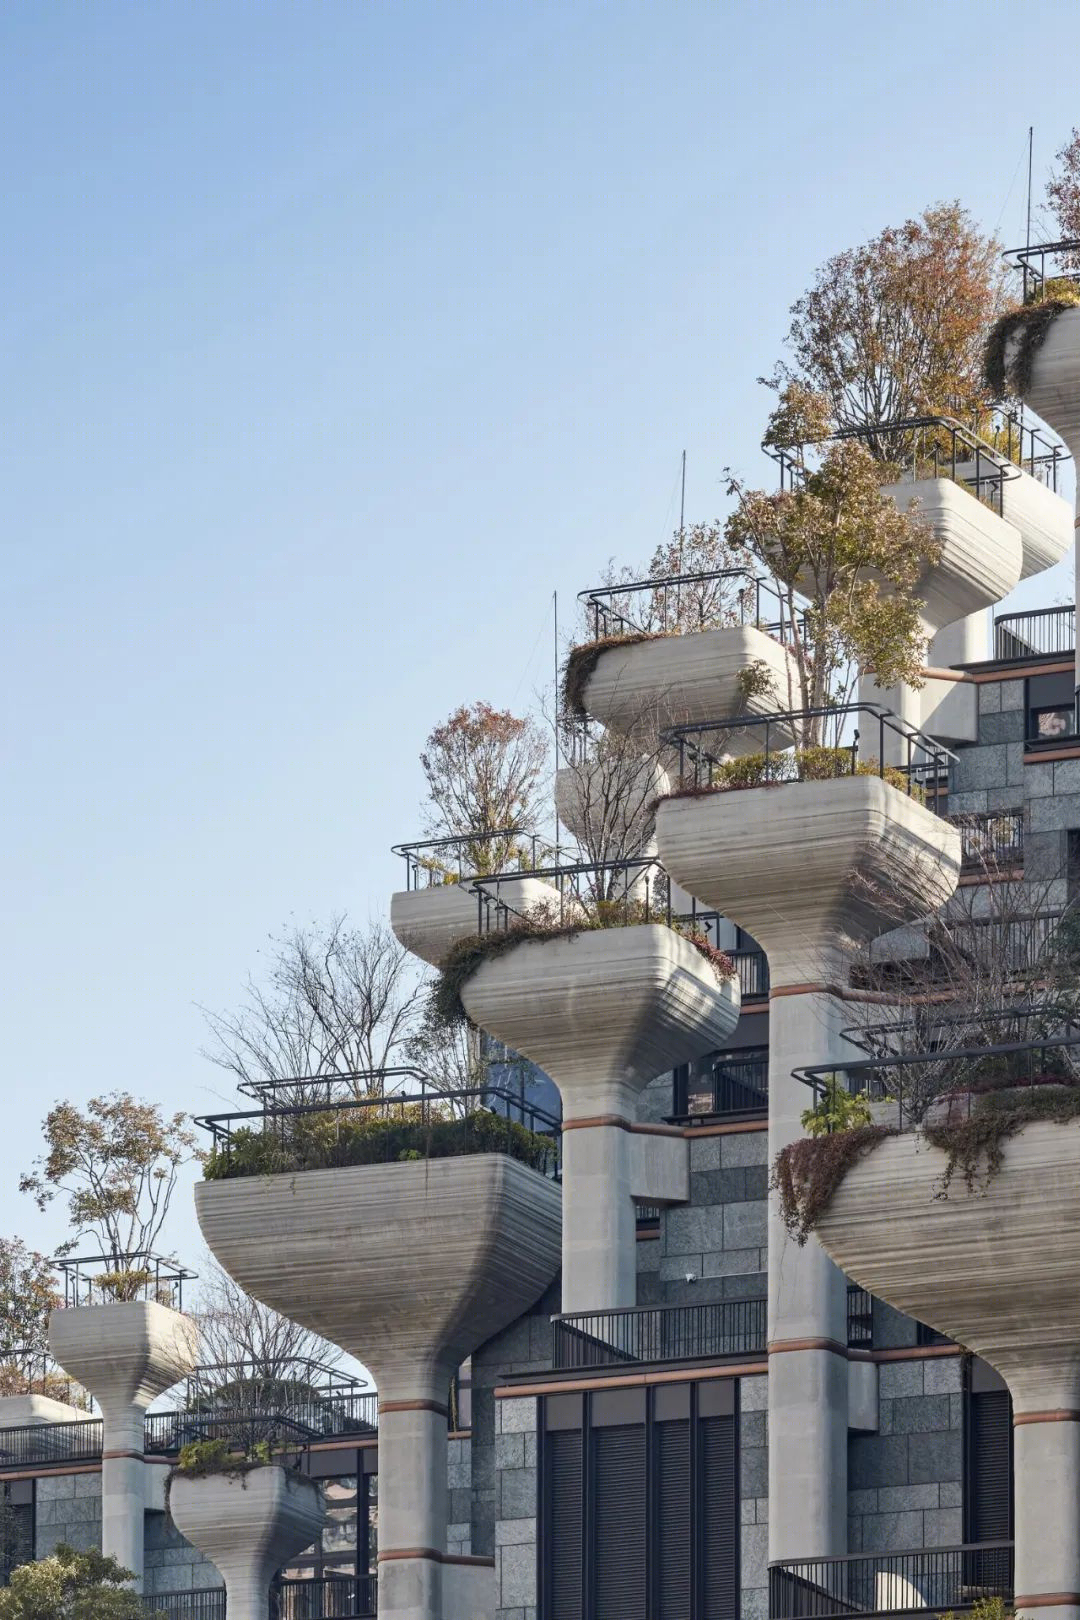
[691, 1276]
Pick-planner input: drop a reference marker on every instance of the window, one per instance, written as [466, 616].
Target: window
[1051, 707]
[988, 1460]
[351, 1501]
[639, 1504]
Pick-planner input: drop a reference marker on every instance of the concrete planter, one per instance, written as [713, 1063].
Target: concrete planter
[410, 1267]
[603, 1013]
[249, 1526]
[429, 921]
[997, 1271]
[811, 869]
[685, 679]
[126, 1354]
[1055, 378]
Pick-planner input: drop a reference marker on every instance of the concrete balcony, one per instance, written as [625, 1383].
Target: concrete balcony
[603, 1013]
[1054, 392]
[409, 1266]
[682, 678]
[429, 921]
[995, 1270]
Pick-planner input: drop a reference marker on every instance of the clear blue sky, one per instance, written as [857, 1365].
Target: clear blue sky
[336, 336]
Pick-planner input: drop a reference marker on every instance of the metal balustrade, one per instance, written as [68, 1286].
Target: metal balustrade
[752, 968]
[860, 1318]
[34, 1444]
[933, 1579]
[202, 1603]
[721, 1328]
[991, 839]
[325, 1597]
[1042, 632]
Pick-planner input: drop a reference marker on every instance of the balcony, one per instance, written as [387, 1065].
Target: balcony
[325, 1597]
[732, 1084]
[1041, 633]
[99, 1279]
[713, 1331]
[34, 1445]
[204, 1603]
[992, 841]
[934, 1578]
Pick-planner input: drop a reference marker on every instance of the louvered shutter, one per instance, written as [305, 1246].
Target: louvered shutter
[673, 1509]
[989, 1483]
[719, 1510]
[562, 1456]
[619, 1522]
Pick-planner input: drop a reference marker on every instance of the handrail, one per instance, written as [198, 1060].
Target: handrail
[1023, 259]
[146, 1276]
[646, 1333]
[420, 856]
[1035, 633]
[609, 620]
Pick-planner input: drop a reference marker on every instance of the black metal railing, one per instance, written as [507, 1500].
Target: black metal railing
[717, 597]
[166, 1432]
[877, 744]
[34, 1444]
[325, 1597]
[733, 1084]
[952, 1081]
[930, 1579]
[860, 1318]
[1044, 261]
[99, 1279]
[752, 968]
[1042, 632]
[430, 1124]
[324, 1400]
[1029, 446]
[991, 839]
[721, 1328]
[435, 861]
[202, 1603]
[31, 1370]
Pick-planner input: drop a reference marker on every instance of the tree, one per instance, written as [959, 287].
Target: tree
[485, 770]
[1063, 191]
[335, 1000]
[72, 1585]
[895, 328]
[28, 1295]
[238, 1330]
[685, 604]
[117, 1164]
[846, 550]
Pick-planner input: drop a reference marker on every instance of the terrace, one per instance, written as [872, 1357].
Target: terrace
[716, 1331]
[932, 1579]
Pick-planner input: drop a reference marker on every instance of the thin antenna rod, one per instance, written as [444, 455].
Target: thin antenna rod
[682, 498]
[558, 716]
[1031, 149]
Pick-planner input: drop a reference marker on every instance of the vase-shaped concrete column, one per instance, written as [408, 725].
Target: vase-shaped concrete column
[249, 1526]
[812, 870]
[409, 1267]
[602, 1013]
[1054, 387]
[996, 1270]
[126, 1354]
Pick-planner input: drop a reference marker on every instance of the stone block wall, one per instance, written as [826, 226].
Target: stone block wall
[67, 1507]
[720, 1237]
[515, 1524]
[173, 1564]
[905, 1484]
[459, 1487]
[754, 1497]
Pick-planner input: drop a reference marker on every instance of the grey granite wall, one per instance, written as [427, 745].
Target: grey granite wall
[459, 1485]
[719, 1238]
[515, 1523]
[905, 1483]
[754, 1497]
[67, 1507]
[173, 1564]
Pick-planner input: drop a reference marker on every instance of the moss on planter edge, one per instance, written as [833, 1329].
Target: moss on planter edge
[1030, 326]
[581, 662]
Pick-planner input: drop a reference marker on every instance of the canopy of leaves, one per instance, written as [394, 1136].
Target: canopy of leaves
[28, 1293]
[116, 1162]
[844, 547]
[333, 999]
[485, 771]
[71, 1586]
[1063, 190]
[895, 328]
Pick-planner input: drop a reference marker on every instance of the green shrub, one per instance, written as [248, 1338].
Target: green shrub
[336, 1139]
[836, 1110]
[815, 764]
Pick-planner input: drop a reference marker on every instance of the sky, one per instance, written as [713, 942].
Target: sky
[338, 336]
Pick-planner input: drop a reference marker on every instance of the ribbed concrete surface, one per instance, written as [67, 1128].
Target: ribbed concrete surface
[604, 1012]
[684, 679]
[811, 869]
[997, 1271]
[606, 801]
[248, 1527]
[428, 921]
[126, 1352]
[1043, 519]
[981, 555]
[1055, 379]
[408, 1266]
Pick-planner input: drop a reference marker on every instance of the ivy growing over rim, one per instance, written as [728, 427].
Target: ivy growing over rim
[581, 664]
[466, 956]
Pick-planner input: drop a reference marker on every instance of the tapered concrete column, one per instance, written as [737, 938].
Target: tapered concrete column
[409, 1267]
[996, 1270]
[125, 1354]
[249, 1527]
[602, 1013]
[1054, 391]
[811, 870]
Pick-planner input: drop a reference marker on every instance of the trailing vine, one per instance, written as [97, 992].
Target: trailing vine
[467, 955]
[1029, 325]
[807, 1172]
[582, 661]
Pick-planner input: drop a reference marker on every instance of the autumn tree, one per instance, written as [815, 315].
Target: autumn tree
[846, 559]
[677, 599]
[1063, 191]
[333, 999]
[28, 1295]
[485, 771]
[116, 1162]
[895, 328]
[72, 1585]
